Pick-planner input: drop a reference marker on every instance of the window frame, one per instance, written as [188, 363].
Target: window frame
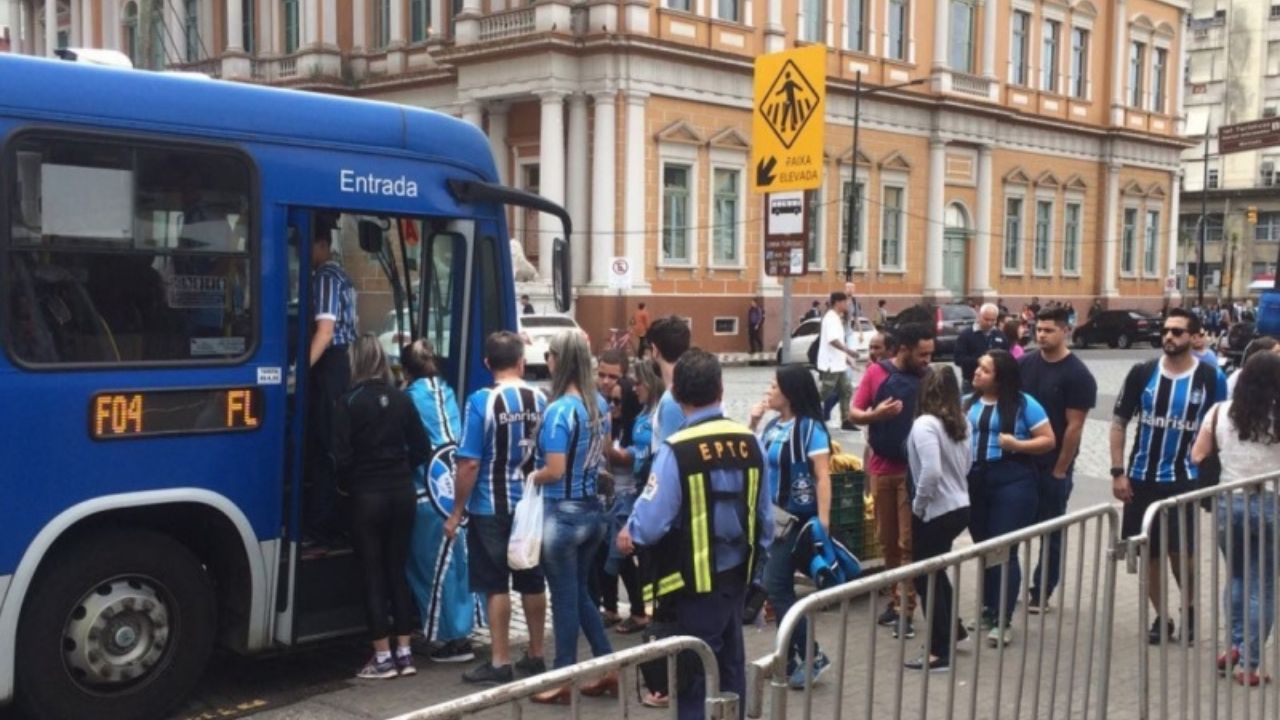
[419, 32]
[1078, 85]
[134, 143]
[1129, 239]
[970, 44]
[904, 31]
[292, 31]
[1151, 242]
[1018, 237]
[738, 8]
[1019, 48]
[863, 179]
[900, 184]
[191, 29]
[805, 18]
[1037, 270]
[1137, 71]
[1159, 79]
[739, 215]
[1050, 53]
[685, 157]
[1272, 225]
[737, 326]
[862, 34]
[1071, 246]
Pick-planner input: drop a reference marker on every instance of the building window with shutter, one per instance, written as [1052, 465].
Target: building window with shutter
[1018, 49]
[1013, 234]
[675, 213]
[1079, 63]
[1071, 239]
[1049, 55]
[1044, 236]
[899, 24]
[891, 228]
[1128, 252]
[1137, 63]
[727, 200]
[1151, 248]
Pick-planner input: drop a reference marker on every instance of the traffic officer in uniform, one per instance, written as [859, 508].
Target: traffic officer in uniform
[703, 517]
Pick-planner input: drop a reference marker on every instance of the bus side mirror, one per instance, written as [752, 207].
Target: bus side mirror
[370, 234]
[561, 276]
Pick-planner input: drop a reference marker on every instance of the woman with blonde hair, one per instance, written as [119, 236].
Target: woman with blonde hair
[570, 453]
[378, 441]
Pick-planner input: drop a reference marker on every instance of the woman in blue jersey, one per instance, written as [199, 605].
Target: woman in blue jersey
[570, 453]
[633, 449]
[438, 563]
[1007, 427]
[797, 457]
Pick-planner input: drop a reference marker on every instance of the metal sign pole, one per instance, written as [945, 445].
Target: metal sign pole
[787, 282]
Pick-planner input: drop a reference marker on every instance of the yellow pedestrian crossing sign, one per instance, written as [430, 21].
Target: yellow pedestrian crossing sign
[788, 119]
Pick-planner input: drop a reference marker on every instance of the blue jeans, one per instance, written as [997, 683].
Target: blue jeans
[716, 619]
[617, 519]
[1054, 494]
[780, 584]
[1259, 537]
[1004, 498]
[572, 531]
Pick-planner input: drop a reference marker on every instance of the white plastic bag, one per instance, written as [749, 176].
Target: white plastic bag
[524, 548]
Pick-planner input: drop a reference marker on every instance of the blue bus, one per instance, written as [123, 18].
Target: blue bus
[149, 305]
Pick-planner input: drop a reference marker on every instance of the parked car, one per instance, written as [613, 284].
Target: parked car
[948, 322]
[1118, 329]
[537, 331]
[807, 334]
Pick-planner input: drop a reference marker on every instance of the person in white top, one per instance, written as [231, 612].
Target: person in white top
[939, 456]
[834, 356]
[1245, 431]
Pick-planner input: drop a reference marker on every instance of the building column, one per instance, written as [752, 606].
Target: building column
[604, 181]
[235, 26]
[310, 31]
[941, 21]
[277, 29]
[436, 28]
[933, 257]
[473, 112]
[634, 186]
[330, 36]
[50, 27]
[1179, 89]
[550, 167]
[1110, 230]
[498, 139]
[990, 9]
[576, 200]
[466, 28]
[87, 24]
[981, 255]
[1171, 253]
[74, 39]
[1120, 64]
[775, 33]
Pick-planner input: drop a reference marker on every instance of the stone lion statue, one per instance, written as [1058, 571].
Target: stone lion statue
[524, 270]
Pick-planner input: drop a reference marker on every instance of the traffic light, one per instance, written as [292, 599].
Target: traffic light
[1251, 213]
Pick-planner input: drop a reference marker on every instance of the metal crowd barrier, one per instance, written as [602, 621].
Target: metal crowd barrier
[718, 707]
[1065, 652]
[1186, 677]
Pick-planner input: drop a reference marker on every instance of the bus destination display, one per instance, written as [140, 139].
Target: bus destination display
[148, 413]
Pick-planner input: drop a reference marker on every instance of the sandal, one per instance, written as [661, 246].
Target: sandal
[653, 699]
[631, 625]
[610, 618]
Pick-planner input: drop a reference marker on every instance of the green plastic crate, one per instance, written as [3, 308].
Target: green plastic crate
[849, 523]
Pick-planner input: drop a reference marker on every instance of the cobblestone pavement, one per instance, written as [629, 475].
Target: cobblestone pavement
[1051, 669]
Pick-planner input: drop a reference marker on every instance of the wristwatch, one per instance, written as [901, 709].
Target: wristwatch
[1117, 472]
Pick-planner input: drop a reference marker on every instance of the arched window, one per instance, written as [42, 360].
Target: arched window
[956, 218]
[129, 31]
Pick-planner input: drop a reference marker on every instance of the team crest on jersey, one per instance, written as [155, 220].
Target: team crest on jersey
[650, 488]
[440, 473]
[1197, 396]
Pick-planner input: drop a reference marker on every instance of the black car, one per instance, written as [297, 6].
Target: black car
[1118, 329]
[948, 321]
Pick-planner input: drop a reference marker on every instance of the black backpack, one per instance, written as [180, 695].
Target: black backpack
[888, 438]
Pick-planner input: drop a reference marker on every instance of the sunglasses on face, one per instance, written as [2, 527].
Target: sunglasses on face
[1176, 332]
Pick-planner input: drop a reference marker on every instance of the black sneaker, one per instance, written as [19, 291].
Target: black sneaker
[935, 665]
[453, 651]
[1161, 629]
[909, 630]
[531, 666]
[888, 617]
[487, 674]
[961, 634]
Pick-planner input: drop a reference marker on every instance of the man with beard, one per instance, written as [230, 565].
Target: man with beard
[1171, 396]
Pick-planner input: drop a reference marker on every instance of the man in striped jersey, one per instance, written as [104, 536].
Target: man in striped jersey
[1170, 395]
[499, 428]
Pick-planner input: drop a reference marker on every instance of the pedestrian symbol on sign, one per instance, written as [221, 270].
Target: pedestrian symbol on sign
[789, 103]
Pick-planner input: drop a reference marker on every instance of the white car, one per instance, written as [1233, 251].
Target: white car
[537, 331]
[807, 334]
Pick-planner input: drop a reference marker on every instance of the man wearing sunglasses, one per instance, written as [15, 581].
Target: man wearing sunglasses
[1170, 395]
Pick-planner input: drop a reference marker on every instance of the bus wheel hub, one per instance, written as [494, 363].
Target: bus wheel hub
[117, 633]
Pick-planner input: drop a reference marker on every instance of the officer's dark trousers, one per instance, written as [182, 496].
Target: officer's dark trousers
[716, 618]
[329, 379]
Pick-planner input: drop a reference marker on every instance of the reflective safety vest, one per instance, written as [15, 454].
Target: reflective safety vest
[684, 559]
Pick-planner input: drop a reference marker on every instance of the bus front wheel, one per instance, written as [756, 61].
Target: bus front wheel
[118, 627]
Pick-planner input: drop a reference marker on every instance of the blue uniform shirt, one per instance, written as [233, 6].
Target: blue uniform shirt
[802, 500]
[641, 442]
[566, 428]
[438, 408]
[335, 299]
[668, 418]
[498, 431]
[984, 422]
[658, 507]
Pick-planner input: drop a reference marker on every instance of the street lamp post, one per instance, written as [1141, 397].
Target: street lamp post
[852, 227]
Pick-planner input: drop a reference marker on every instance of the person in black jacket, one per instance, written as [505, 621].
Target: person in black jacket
[974, 342]
[378, 440]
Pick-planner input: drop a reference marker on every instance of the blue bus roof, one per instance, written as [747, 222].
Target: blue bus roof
[61, 91]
